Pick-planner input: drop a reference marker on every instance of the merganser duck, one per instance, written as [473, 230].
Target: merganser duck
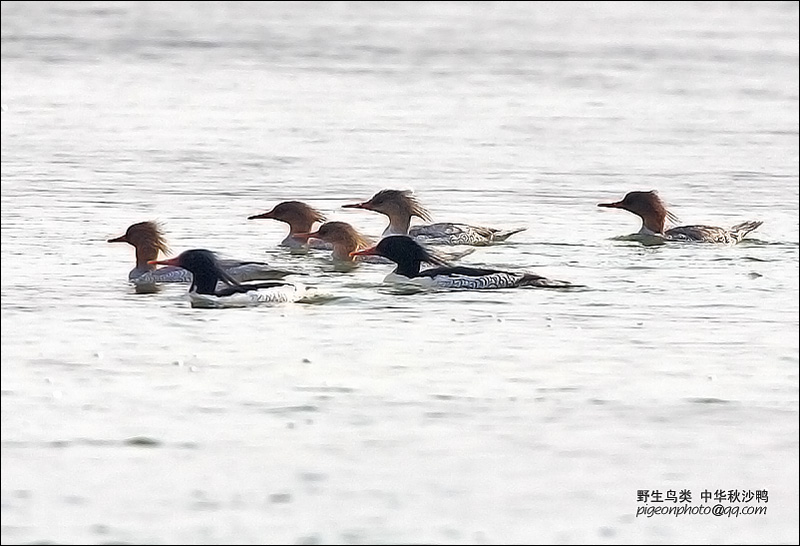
[301, 218]
[400, 206]
[148, 240]
[346, 240]
[654, 214]
[409, 255]
[212, 286]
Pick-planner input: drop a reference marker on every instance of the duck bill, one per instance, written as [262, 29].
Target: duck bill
[120, 239]
[364, 206]
[312, 235]
[617, 205]
[171, 261]
[366, 252]
[260, 216]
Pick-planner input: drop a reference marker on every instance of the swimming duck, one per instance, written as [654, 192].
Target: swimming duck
[212, 286]
[301, 217]
[401, 205]
[409, 256]
[148, 240]
[654, 214]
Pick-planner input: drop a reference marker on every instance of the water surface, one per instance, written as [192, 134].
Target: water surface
[507, 416]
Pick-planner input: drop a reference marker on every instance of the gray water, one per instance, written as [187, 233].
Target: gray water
[367, 416]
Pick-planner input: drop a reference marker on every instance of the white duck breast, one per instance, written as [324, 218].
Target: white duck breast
[287, 293]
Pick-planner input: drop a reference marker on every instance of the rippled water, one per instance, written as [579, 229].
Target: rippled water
[372, 417]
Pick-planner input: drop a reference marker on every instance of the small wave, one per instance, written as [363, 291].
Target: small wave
[708, 401]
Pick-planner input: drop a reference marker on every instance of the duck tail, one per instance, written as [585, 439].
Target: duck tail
[739, 231]
[501, 235]
[530, 279]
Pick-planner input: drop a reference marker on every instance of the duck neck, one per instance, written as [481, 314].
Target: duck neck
[408, 268]
[341, 252]
[652, 224]
[398, 224]
[145, 253]
[204, 283]
[300, 226]
[295, 227]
